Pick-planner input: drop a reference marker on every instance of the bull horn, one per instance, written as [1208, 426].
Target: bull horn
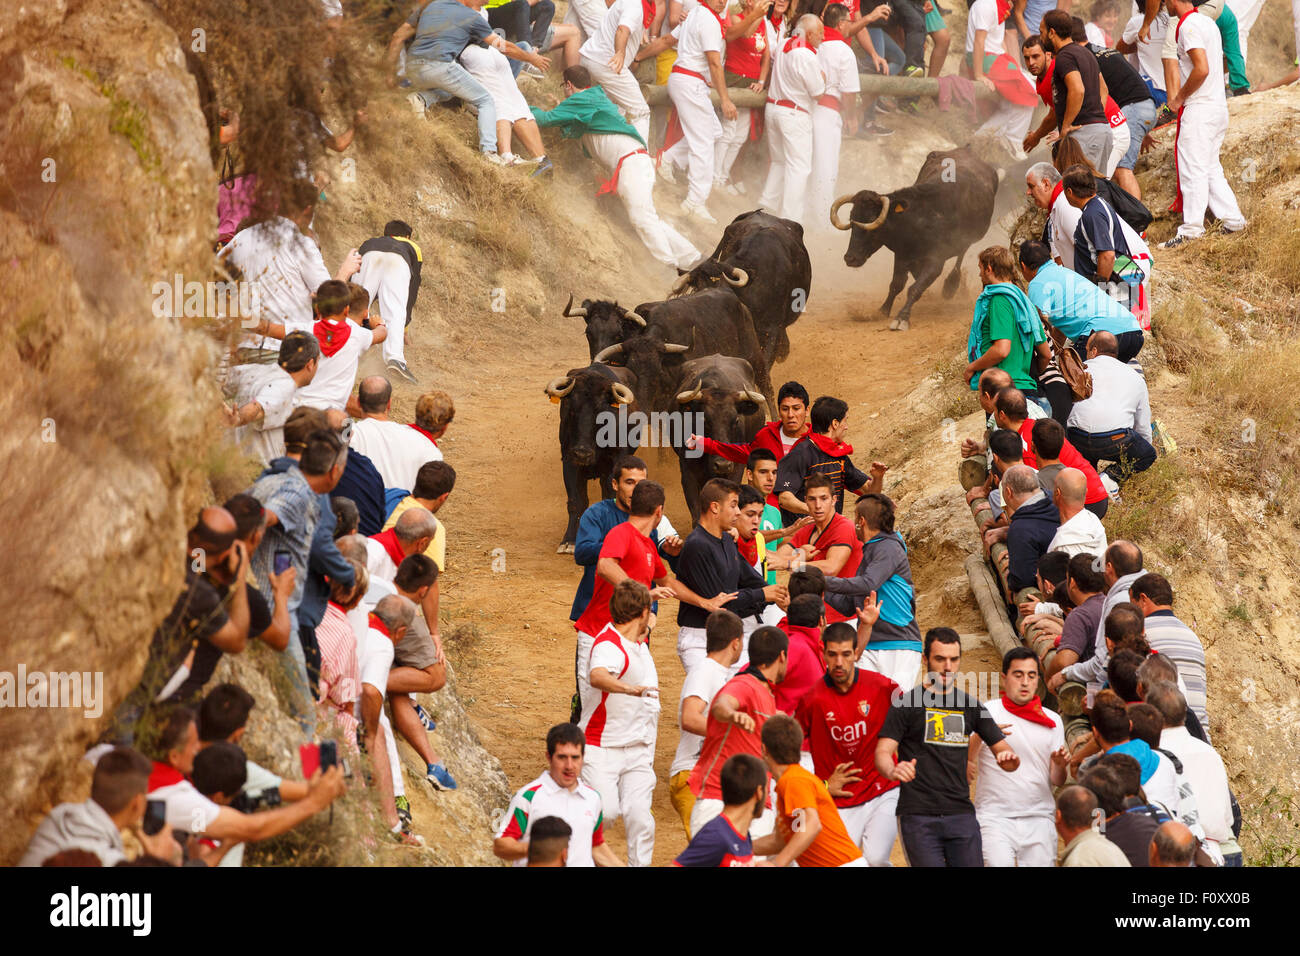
[622, 394]
[742, 278]
[681, 283]
[879, 220]
[835, 208]
[556, 390]
[685, 398]
[608, 352]
[636, 317]
[673, 348]
[753, 396]
[571, 313]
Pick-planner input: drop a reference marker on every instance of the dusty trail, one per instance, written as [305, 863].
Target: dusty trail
[507, 589]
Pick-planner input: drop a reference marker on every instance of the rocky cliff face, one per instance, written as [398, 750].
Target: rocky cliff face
[105, 189]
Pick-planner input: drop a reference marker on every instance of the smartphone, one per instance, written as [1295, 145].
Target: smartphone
[329, 754]
[282, 561]
[155, 816]
[310, 756]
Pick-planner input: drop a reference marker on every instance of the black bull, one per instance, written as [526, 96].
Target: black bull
[948, 208]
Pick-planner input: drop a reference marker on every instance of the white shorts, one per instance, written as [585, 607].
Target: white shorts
[873, 826]
[1018, 841]
[706, 810]
[902, 667]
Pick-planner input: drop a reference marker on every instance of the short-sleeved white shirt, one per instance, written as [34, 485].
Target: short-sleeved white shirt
[579, 808]
[396, 450]
[284, 269]
[376, 660]
[1027, 790]
[1147, 57]
[619, 720]
[840, 68]
[698, 34]
[1198, 32]
[797, 77]
[335, 374]
[1064, 220]
[600, 45]
[984, 16]
[272, 388]
[704, 681]
[187, 809]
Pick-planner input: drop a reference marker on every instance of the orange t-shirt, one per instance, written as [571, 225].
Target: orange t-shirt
[798, 788]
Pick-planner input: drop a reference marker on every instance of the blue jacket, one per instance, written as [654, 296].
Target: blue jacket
[596, 522]
[1029, 535]
[885, 570]
[363, 486]
[324, 559]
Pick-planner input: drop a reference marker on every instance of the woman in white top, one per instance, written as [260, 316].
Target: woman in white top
[490, 67]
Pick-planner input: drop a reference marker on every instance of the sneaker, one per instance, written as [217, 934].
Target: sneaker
[406, 838]
[665, 171]
[510, 159]
[495, 159]
[913, 71]
[544, 168]
[533, 161]
[403, 811]
[1173, 243]
[874, 129]
[697, 212]
[1241, 91]
[1232, 232]
[425, 719]
[416, 102]
[1164, 117]
[439, 777]
[398, 366]
[534, 72]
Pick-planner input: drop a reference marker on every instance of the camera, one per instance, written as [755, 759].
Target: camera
[261, 800]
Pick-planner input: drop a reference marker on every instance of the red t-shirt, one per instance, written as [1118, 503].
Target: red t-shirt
[804, 666]
[640, 561]
[842, 728]
[745, 54]
[839, 531]
[1070, 458]
[753, 696]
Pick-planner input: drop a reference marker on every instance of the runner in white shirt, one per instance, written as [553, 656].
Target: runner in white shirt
[397, 450]
[342, 343]
[723, 636]
[700, 49]
[797, 82]
[608, 55]
[840, 68]
[1146, 57]
[1016, 811]
[620, 718]
[1202, 123]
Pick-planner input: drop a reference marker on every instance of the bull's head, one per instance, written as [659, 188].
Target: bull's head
[728, 415]
[583, 394]
[651, 359]
[868, 215]
[707, 274]
[607, 322]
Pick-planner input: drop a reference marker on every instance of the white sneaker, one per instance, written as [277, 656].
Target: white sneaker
[510, 159]
[665, 171]
[495, 158]
[697, 212]
[530, 70]
[416, 103]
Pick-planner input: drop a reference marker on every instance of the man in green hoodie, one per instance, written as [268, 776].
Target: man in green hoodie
[588, 114]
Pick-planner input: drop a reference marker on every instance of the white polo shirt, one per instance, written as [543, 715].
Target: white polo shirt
[1198, 32]
[579, 808]
[1119, 400]
[1027, 790]
[600, 45]
[335, 374]
[840, 67]
[698, 34]
[797, 77]
[984, 16]
[620, 720]
[397, 450]
[1064, 220]
[704, 681]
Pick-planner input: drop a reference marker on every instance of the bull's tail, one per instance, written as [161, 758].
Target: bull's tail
[953, 282]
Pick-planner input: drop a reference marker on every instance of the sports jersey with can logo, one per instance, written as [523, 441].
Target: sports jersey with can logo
[843, 728]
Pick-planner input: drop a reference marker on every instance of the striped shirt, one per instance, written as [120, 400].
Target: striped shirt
[339, 677]
[1169, 636]
[544, 797]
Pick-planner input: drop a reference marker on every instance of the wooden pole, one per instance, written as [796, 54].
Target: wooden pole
[989, 598]
[872, 85]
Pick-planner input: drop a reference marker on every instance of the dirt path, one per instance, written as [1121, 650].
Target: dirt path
[507, 513]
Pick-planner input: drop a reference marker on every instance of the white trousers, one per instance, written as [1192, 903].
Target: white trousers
[387, 277]
[706, 810]
[394, 762]
[1120, 137]
[1010, 123]
[1018, 841]
[624, 90]
[1200, 174]
[1247, 12]
[788, 133]
[692, 644]
[625, 779]
[636, 182]
[734, 134]
[873, 826]
[586, 15]
[827, 128]
[700, 130]
[902, 667]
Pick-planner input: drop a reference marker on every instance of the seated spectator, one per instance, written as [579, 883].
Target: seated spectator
[410, 534]
[1131, 832]
[1106, 249]
[1086, 589]
[346, 517]
[1173, 845]
[1074, 306]
[522, 21]
[1115, 422]
[1122, 675]
[398, 450]
[434, 483]
[1005, 449]
[724, 840]
[390, 273]
[1034, 522]
[1158, 667]
[263, 395]
[223, 717]
[267, 622]
[361, 484]
[1012, 412]
[1111, 728]
[1147, 725]
[1076, 807]
[342, 343]
[1047, 440]
[1081, 531]
[117, 802]
[340, 679]
[1048, 194]
[1170, 637]
[549, 844]
[1050, 582]
[1006, 329]
[1129, 773]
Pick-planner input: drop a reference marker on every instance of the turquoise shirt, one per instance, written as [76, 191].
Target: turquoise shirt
[1076, 306]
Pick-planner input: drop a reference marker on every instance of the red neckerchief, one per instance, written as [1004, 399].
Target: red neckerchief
[830, 33]
[748, 550]
[1044, 85]
[332, 334]
[425, 432]
[1056, 193]
[163, 775]
[722, 25]
[836, 449]
[647, 13]
[1032, 711]
[1180, 21]
[389, 540]
[1004, 9]
[795, 43]
[380, 626]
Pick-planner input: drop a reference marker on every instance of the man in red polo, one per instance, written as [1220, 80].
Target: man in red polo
[829, 544]
[1011, 412]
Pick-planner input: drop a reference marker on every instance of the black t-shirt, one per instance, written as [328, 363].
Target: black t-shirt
[806, 459]
[935, 729]
[1122, 80]
[1074, 58]
[207, 655]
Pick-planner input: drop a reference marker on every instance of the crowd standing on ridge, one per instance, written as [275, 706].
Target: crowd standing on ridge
[818, 723]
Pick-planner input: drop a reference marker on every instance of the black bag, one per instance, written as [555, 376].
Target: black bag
[1128, 207]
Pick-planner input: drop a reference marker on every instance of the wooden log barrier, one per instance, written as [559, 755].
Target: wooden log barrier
[872, 85]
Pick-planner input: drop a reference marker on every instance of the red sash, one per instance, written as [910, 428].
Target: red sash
[647, 13]
[332, 334]
[380, 626]
[830, 101]
[685, 72]
[795, 43]
[790, 103]
[1032, 711]
[163, 775]
[1056, 193]
[1177, 204]
[1180, 22]
[611, 184]
[389, 540]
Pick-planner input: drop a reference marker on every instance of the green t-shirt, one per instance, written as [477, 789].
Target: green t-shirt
[771, 520]
[1000, 323]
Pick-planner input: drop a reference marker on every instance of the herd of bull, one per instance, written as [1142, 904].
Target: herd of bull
[705, 353]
